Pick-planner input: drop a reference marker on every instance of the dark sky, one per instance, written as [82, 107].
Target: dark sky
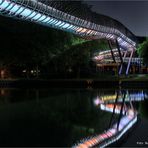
[133, 14]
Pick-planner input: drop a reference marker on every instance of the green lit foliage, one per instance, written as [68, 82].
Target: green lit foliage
[78, 57]
[77, 40]
[143, 51]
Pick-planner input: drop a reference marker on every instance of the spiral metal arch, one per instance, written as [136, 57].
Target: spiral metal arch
[69, 16]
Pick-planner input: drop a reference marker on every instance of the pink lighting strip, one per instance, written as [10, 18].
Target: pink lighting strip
[36, 11]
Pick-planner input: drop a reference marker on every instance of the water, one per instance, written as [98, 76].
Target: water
[59, 117]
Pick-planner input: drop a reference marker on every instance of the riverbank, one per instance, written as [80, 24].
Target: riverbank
[134, 81]
[138, 81]
[66, 83]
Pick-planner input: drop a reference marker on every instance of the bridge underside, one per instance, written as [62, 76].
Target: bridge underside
[69, 16]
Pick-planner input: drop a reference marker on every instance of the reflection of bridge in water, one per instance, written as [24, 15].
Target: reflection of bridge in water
[73, 17]
[118, 103]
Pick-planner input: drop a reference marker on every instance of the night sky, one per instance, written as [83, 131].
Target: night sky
[133, 14]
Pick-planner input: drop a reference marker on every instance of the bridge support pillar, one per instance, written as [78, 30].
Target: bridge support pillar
[121, 66]
[112, 53]
[120, 55]
[129, 62]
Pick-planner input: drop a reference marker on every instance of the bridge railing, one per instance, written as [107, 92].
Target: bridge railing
[52, 15]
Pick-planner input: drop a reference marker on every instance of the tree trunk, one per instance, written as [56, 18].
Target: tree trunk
[37, 71]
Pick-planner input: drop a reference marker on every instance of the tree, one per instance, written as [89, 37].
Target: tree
[27, 45]
[78, 57]
[143, 51]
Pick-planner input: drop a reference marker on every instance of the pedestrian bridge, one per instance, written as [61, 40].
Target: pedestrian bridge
[71, 16]
[112, 57]
[61, 15]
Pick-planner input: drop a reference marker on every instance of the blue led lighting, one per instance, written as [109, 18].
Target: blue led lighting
[31, 10]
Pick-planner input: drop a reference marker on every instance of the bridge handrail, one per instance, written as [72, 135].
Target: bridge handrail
[82, 27]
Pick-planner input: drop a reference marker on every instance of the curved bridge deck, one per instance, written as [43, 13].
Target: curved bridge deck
[69, 17]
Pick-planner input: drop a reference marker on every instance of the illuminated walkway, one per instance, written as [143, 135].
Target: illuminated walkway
[72, 17]
[59, 15]
[106, 57]
[112, 57]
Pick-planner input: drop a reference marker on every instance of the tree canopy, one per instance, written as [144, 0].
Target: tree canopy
[30, 45]
[143, 51]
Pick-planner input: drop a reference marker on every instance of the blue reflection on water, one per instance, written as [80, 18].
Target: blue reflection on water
[40, 117]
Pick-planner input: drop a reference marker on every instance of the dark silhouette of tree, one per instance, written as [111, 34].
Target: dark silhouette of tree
[143, 51]
[29, 46]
